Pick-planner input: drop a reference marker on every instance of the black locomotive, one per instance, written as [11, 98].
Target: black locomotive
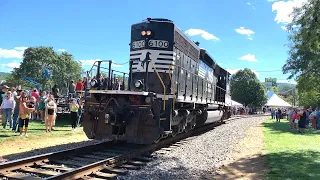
[173, 86]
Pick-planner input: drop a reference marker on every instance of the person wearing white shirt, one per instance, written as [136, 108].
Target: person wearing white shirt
[7, 107]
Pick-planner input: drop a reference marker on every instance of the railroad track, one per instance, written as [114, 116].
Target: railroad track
[105, 160]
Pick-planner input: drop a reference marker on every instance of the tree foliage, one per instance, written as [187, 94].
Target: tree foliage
[13, 81]
[304, 55]
[304, 36]
[274, 89]
[36, 59]
[247, 89]
[4, 75]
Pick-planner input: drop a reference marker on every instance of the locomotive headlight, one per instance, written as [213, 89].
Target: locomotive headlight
[148, 33]
[143, 33]
[138, 84]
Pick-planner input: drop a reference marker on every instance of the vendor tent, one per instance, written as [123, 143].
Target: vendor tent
[276, 101]
[234, 103]
[270, 93]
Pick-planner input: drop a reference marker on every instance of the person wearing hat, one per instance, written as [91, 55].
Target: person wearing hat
[3, 92]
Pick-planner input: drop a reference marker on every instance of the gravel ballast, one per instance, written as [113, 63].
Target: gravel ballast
[201, 156]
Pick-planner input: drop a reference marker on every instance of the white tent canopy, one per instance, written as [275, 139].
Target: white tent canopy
[234, 103]
[276, 101]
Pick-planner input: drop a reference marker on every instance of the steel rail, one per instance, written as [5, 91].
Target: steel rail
[114, 161]
[109, 162]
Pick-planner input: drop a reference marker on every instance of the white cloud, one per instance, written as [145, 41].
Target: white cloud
[204, 34]
[233, 71]
[252, 6]
[16, 52]
[272, 0]
[244, 31]
[11, 65]
[284, 28]
[22, 48]
[62, 50]
[248, 57]
[250, 38]
[284, 9]
[89, 62]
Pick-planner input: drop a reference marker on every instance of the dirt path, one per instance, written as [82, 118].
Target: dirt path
[247, 163]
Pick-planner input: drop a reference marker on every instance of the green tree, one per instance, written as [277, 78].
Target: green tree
[304, 36]
[247, 89]
[274, 89]
[304, 57]
[65, 69]
[36, 59]
[4, 75]
[14, 80]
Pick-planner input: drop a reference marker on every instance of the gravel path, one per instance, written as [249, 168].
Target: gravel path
[200, 157]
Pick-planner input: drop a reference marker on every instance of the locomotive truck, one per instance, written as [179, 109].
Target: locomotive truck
[173, 87]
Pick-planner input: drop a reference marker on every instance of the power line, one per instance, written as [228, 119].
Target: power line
[269, 71]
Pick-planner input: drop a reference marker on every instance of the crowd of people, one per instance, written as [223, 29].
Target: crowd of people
[18, 107]
[244, 110]
[300, 118]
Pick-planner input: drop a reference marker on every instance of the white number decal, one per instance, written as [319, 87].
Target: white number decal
[138, 44]
[158, 43]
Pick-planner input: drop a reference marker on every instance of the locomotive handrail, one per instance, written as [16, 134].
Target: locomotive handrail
[172, 85]
[164, 87]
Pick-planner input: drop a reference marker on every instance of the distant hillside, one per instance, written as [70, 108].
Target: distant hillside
[285, 88]
[4, 75]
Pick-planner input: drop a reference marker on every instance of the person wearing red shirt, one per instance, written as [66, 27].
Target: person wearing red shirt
[79, 86]
[35, 93]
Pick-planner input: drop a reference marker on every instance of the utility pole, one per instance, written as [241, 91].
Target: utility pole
[294, 97]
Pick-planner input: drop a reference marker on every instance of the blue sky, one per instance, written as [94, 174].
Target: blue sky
[237, 33]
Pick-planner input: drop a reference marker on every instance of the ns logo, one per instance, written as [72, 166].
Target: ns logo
[146, 59]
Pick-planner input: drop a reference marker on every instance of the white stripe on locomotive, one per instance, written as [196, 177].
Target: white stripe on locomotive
[162, 60]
